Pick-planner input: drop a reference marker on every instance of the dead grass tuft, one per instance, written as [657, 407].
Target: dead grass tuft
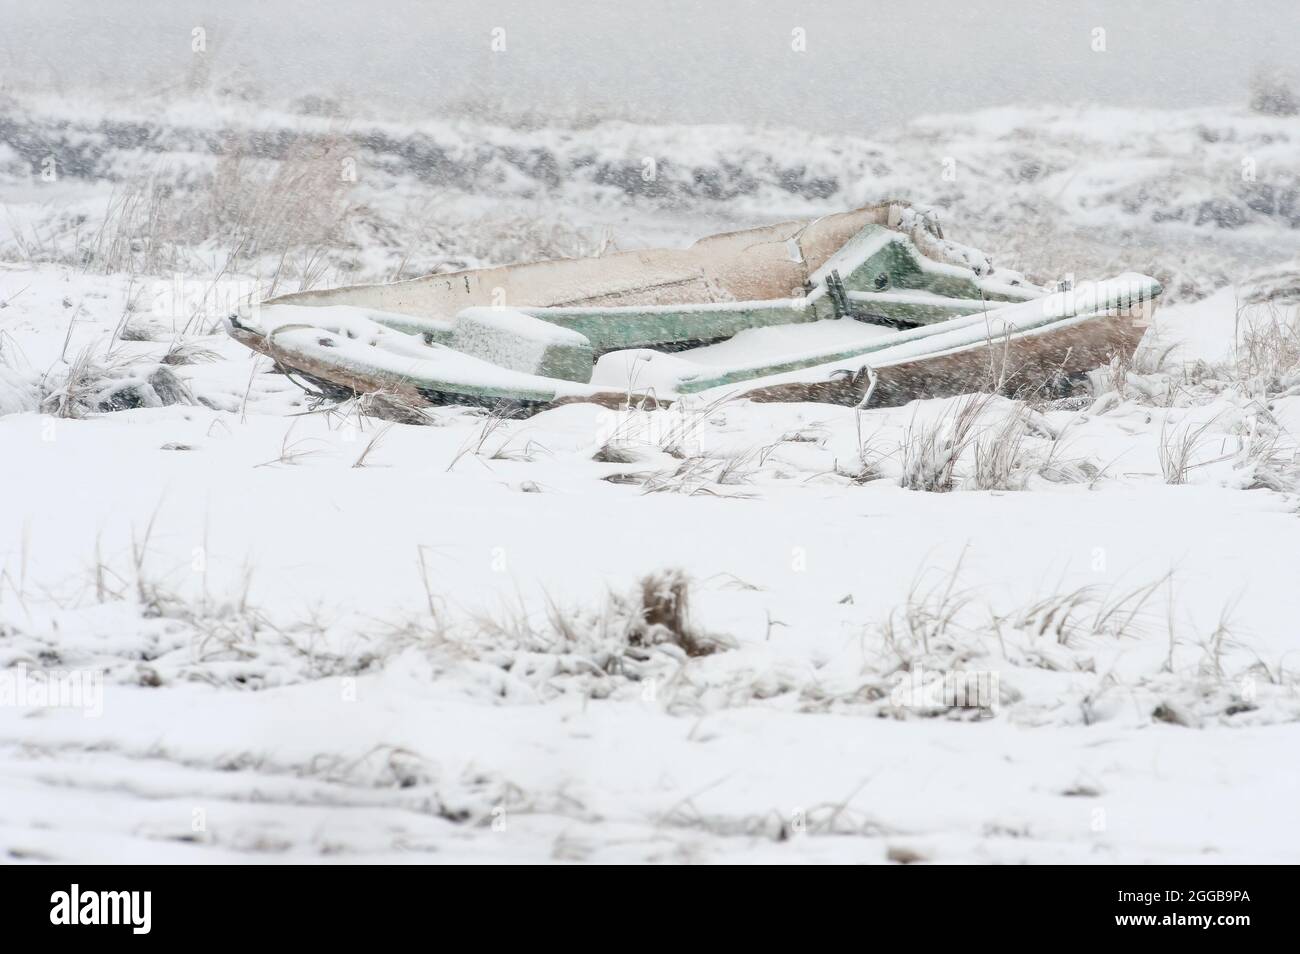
[1267, 349]
[88, 385]
[1177, 449]
[664, 616]
[930, 450]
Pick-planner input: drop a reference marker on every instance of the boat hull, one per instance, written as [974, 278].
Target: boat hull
[639, 326]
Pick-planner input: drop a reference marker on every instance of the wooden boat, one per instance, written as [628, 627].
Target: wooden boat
[812, 310]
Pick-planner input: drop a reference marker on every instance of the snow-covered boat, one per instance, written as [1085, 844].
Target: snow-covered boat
[812, 310]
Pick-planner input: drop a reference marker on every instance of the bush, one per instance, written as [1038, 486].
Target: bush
[1271, 94]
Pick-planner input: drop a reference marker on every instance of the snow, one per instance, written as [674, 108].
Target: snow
[272, 664]
[329, 637]
[357, 339]
[512, 339]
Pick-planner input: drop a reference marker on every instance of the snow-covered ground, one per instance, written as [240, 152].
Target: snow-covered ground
[326, 636]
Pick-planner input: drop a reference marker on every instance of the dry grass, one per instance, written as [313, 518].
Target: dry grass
[1268, 454]
[960, 450]
[1092, 610]
[1267, 349]
[1142, 378]
[664, 615]
[645, 634]
[1178, 448]
[299, 200]
[941, 628]
[1000, 453]
[643, 646]
[181, 352]
[708, 476]
[89, 385]
[476, 444]
[364, 457]
[380, 405]
[293, 452]
[285, 213]
[930, 450]
[673, 430]
[942, 616]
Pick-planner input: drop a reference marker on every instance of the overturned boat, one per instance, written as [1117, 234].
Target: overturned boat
[871, 304]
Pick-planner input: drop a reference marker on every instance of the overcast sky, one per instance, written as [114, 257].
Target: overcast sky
[866, 63]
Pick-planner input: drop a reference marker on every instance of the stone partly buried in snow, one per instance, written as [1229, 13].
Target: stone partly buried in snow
[798, 311]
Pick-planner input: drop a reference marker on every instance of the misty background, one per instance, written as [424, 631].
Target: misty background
[867, 64]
